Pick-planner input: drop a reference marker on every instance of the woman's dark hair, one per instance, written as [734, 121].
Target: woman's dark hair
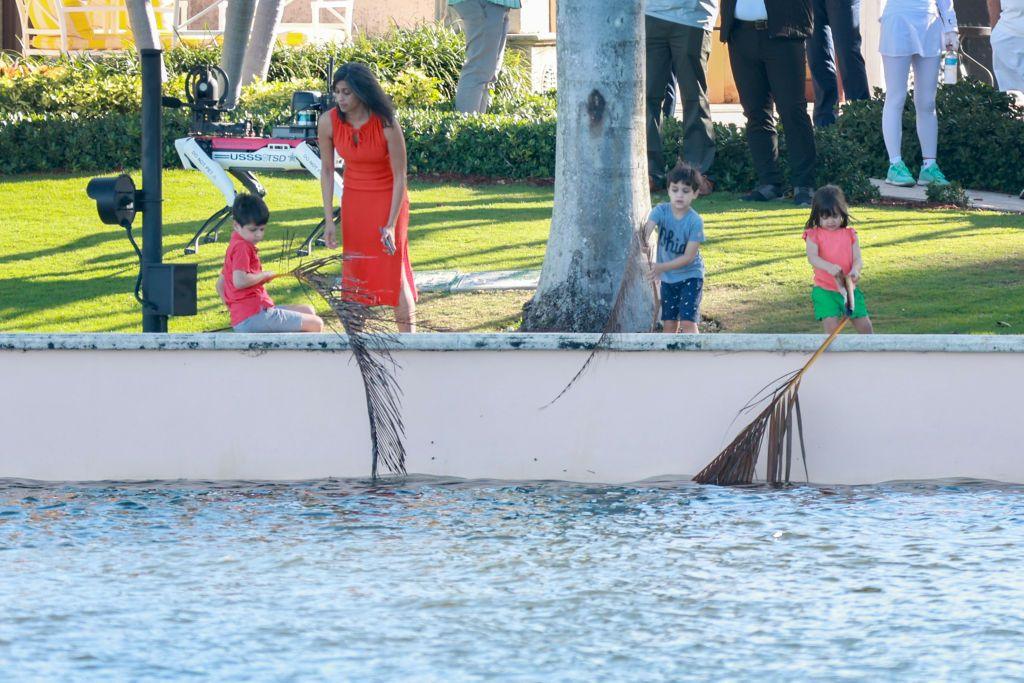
[828, 201]
[686, 174]
[366, 87]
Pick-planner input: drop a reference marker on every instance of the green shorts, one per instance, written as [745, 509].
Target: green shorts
[829, 304]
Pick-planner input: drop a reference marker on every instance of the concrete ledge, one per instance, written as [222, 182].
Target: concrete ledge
[716, 343]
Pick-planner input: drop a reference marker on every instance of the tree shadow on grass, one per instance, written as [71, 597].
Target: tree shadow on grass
[23, 297]
[86, 242]
[966, 299]
[51, 176]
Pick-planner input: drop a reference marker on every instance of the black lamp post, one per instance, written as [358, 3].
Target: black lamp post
[166, 289]
[152, 182]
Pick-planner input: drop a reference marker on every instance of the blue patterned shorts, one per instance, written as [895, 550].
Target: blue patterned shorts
[681, 300]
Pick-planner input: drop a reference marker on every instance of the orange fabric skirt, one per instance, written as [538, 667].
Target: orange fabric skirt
[369, 274]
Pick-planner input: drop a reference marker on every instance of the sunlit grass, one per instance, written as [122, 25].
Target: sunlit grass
[934, 271]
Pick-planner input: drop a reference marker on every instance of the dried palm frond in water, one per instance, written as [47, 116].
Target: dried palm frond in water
[368, 338]
[735, 464]
[638, 258]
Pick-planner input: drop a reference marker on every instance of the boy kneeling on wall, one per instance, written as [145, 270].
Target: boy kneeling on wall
[241, 282]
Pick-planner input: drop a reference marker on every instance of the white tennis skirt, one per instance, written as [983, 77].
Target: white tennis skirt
[1008, 59]
[910, 33]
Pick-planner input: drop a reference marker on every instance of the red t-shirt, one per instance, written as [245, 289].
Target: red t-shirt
[243, 303]
[835, 246]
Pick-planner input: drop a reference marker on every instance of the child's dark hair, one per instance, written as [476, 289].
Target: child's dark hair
[249, 209]
[828, 201]
[686, 174]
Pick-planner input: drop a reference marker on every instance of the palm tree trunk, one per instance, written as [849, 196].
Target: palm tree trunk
[143, 24]
[261, 41]
[601, 196]
[237, 27]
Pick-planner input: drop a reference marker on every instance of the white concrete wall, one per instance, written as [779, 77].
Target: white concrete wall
[870, 31]
[875, 409]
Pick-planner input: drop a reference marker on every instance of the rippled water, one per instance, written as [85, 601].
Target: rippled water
[434, 580]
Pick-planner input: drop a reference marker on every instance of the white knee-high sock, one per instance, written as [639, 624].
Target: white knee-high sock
[897, 69]
[926, 82]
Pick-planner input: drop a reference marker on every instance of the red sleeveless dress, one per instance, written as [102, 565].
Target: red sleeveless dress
[369, 274]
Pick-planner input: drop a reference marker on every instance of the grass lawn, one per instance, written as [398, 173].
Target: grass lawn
[926, 271]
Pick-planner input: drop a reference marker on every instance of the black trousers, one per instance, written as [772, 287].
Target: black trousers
[770, 72]
[836, 23]
[682, 50]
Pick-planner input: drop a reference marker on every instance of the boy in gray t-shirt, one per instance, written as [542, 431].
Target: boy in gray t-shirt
[680, 268]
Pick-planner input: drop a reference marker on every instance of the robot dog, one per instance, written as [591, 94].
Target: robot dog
[217, 148]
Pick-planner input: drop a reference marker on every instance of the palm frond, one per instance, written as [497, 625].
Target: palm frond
[369, 339]
[735, 464]
[638, 258]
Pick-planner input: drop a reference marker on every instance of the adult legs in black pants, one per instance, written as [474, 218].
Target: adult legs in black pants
[683, 51]
[770, 71]
[836, 37]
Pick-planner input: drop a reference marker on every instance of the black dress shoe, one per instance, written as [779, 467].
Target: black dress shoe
[763, 193]
[803, 196]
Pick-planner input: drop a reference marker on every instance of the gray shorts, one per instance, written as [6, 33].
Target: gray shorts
[274, 319]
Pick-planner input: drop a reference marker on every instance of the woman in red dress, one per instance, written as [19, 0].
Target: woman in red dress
[374, 203]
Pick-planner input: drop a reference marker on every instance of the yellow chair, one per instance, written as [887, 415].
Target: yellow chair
[53, 27]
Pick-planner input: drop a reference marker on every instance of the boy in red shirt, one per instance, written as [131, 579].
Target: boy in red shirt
[240, 285]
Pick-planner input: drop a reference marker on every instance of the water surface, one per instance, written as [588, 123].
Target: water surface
[435, 580]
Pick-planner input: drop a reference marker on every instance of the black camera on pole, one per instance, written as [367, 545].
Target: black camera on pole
[206, 91]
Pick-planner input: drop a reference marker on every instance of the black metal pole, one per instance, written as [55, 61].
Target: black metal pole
[152, 190]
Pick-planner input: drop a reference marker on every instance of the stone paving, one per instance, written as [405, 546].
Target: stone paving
[487, 281]
[992, 201]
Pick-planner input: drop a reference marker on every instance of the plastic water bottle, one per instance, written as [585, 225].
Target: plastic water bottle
[950, 68]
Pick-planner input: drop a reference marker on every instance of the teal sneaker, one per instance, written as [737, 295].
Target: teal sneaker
[900, 175]
[932, 176]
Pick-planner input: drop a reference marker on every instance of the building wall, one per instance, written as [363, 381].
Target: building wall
[377, 16]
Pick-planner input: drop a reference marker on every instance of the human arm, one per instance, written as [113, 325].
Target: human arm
[325, 141]
[858, 262]
[399, 164]
[818, 262]
[995, 8]
[685, 259]
[947, 15]
[242, 280]
[649, 228]
[219, 286]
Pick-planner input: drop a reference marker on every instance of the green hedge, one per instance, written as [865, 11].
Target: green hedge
[981, 141]
[73, 143]
[85, 85]
[500, 146]
[981, 137]
[494, 145]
